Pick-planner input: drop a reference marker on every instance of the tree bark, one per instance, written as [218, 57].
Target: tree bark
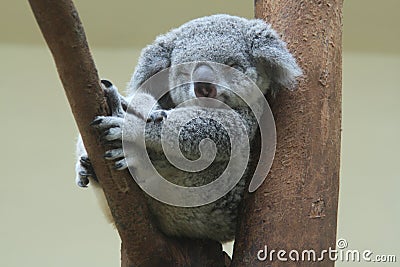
[142, 243]
[296, 207]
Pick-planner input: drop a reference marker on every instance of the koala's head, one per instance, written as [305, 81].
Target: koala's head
[250, 46]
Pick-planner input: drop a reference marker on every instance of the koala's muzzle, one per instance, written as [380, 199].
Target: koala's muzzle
[205, 79]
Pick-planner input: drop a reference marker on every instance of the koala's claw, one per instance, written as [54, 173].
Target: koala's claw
[157, 116]
[111, 134]
[114, 154]
[85, 162]
[96, 121]
[121, 165]
[83, 182]
[84, 172]
[106, 122]
[106, 83]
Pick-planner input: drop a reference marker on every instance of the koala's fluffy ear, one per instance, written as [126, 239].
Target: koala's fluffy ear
[271, 53]
[154, 58]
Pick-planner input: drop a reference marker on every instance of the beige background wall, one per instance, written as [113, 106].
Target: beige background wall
[45, 220]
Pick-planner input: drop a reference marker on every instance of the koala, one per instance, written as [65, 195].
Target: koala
[249, 46]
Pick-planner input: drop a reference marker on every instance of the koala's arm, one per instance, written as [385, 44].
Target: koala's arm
[112, 131]
[198, 127]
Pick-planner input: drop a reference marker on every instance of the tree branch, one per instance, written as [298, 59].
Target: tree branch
[296, 207]
[142, 243]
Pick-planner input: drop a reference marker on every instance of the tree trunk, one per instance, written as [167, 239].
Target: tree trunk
[296, 207]
[143, 245]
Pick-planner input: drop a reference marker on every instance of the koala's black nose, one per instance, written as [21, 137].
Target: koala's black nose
[205, 89]
[204, 79]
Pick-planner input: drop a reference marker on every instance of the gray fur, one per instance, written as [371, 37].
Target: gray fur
[252, 47]
[252, 44]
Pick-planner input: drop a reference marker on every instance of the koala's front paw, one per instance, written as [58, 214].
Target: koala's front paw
[111, 126]
[112, 136]
[84, 171]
